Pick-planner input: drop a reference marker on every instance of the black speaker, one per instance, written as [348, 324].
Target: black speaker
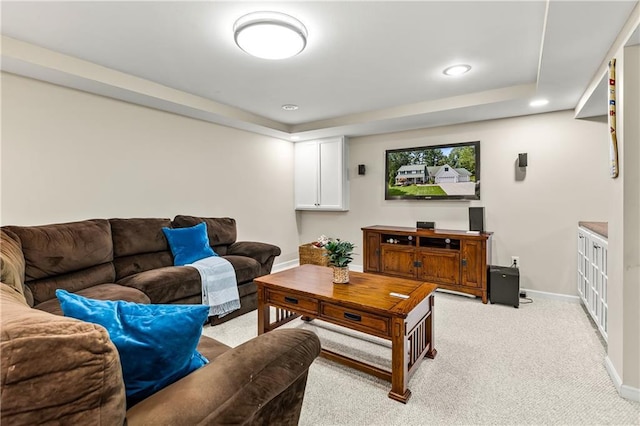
[426, 225]
[522, 160]
[361, 169]
[476, 219]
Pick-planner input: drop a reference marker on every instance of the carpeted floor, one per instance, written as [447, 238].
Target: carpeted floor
[540, 364]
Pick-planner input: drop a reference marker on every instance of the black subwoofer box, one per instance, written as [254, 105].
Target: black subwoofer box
[504, 285]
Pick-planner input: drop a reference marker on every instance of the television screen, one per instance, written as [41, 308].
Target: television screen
[437, 172]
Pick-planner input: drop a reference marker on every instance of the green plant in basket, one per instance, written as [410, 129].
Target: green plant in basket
[340, 253]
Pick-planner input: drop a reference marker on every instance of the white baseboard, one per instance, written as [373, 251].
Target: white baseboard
[356, 268]
[555, 296]
[627, 392]
[285, 265]
[296, 262]
[457, 293]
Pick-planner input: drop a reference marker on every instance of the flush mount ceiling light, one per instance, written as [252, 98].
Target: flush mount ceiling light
[270, 35]
[538, 102]
[289, 107]
[457, 69]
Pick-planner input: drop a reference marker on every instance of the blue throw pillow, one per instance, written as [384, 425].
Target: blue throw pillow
[190, 244]
[156, 343]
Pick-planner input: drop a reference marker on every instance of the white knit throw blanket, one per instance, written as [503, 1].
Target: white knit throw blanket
[219, 285]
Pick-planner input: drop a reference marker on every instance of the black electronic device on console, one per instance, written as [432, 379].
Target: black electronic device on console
[426, 225]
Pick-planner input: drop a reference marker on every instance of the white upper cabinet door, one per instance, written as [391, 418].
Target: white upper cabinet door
[306, 175]
[331, 174]
[321, 175]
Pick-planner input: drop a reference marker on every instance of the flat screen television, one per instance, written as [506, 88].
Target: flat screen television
[436, 172]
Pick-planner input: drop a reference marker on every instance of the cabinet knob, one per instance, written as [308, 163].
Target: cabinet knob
[464, 262]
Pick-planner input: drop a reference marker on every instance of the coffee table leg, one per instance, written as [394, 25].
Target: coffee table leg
[399, 363]
[264, 317]
[432, 352]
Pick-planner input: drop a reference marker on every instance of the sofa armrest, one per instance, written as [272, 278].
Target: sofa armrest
[262, 252]
[236, 386]
[56, 370]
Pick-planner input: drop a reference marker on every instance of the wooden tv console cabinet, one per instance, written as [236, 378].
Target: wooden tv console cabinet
[454, 260]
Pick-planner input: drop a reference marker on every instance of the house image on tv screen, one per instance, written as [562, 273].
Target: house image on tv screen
[423, 174]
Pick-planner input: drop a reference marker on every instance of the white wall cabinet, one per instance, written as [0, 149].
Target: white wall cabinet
[321, 175]
[592, 276]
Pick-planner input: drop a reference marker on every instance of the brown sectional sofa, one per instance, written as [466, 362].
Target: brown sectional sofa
[130, 259]
[59, 370]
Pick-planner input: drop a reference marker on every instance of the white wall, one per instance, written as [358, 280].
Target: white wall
[631, 162]
[69, 155]
[624, 230]
[632, 218]
[535, 219]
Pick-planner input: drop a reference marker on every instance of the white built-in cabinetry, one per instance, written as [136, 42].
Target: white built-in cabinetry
[592, 276]
[321, 175]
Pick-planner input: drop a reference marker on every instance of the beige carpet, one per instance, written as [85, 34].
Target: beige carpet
[540, 364]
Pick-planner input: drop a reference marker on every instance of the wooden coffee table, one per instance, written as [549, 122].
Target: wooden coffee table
[366, 304]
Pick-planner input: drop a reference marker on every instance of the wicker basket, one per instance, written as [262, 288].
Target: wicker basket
[313, 255]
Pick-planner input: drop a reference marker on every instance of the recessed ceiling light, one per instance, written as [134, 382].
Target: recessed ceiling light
[457, 69]
[270, 35]
[538, 102]
[289, 107]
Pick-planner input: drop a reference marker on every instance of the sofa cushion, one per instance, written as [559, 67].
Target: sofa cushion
[45, 289]
[221, 230]
[165, 285]
[100, 292]
[135, 236]
[246, 268]
[51, 250]
[136, 263]
[43, 359]
[156, 343]
[189, 245]
[247, 289]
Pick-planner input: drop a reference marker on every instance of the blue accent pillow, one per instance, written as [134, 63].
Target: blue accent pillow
[190, 244]
[156, 343]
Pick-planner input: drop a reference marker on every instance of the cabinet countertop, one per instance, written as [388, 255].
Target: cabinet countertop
[600, 228]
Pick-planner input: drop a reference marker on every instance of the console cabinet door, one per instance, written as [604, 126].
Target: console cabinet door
[471, 264]
[372, 252]
[398, 260]
[440, 266]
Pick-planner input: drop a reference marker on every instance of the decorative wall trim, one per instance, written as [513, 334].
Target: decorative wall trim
[624, 391]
